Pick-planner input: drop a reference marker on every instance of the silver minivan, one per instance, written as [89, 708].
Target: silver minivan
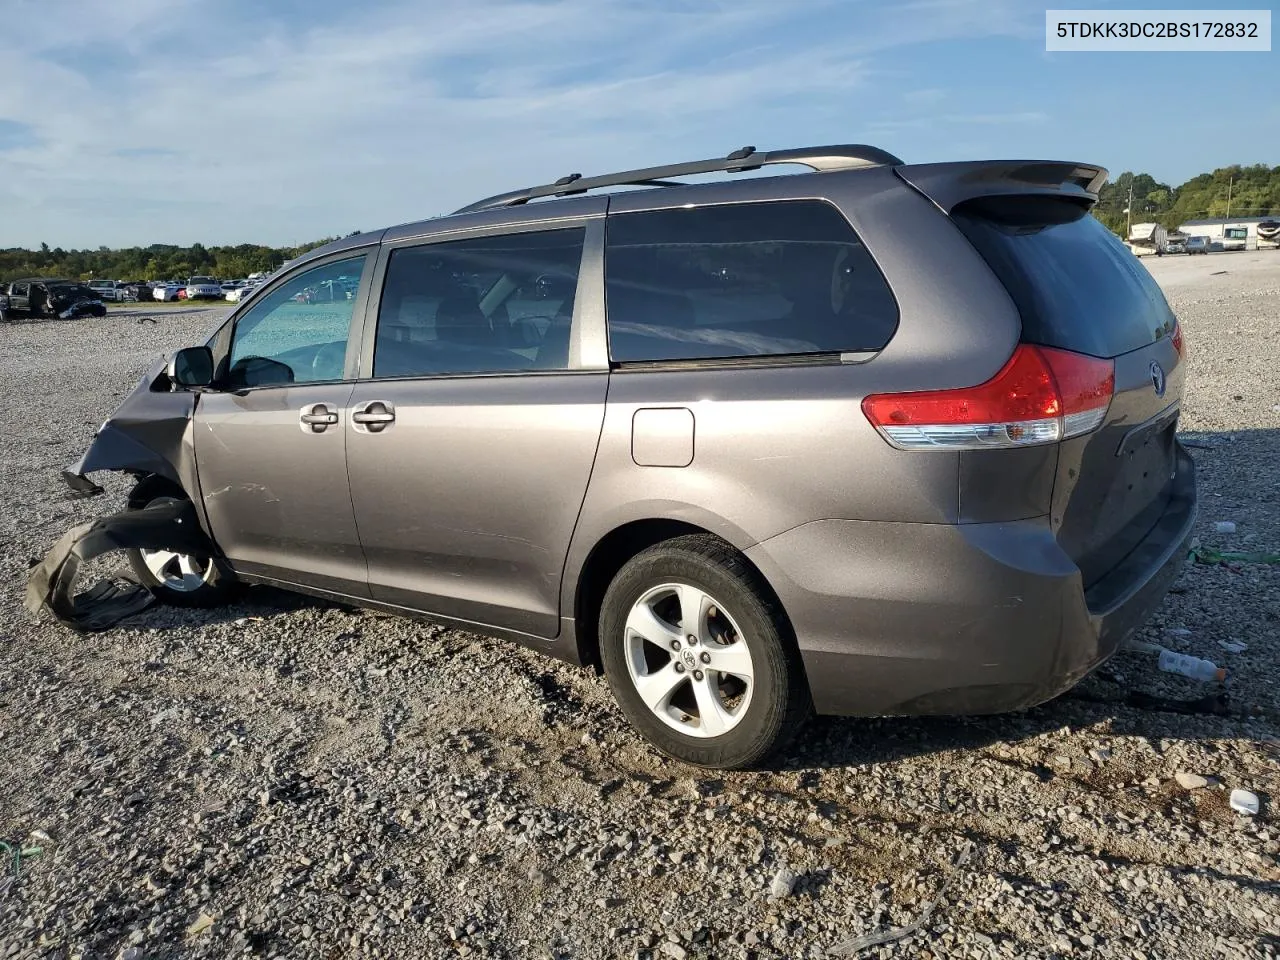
[876, 438]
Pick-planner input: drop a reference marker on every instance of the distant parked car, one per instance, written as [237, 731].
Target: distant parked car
[1176, 245]
[167, 291]
[241, 292]
[107, 289]
[38, 297]
[1197, 245]
[203, 288]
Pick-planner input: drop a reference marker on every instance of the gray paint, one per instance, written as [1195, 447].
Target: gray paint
[662, 437]
[915, 581]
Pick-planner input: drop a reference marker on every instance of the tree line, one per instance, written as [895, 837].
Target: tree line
[1235, 192]
[160, 261]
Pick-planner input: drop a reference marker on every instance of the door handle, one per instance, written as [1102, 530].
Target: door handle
[373, 416]
[317, 417]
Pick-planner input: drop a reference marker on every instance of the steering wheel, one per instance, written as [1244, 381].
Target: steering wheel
[328, 357]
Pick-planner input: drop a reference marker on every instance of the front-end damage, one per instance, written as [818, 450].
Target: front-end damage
[149, 435]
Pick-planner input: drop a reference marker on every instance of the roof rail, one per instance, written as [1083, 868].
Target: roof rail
[839, 157]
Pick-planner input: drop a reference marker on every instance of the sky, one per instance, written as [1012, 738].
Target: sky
[131, 122]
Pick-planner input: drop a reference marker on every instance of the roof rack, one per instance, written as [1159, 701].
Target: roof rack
[839, 157]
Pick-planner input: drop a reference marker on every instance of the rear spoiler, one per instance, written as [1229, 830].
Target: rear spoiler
[950, 184]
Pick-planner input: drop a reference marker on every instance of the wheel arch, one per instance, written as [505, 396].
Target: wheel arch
[610, 553]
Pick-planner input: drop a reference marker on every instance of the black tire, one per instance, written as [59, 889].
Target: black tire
[779, 703]
[219, 586]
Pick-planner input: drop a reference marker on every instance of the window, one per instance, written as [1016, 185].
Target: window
[1074, 282]
[485, 305]
[297, 333]
[742, 280]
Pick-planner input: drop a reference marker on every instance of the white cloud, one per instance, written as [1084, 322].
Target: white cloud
[159, 125]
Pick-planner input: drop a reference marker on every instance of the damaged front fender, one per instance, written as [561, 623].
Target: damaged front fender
[149, 434]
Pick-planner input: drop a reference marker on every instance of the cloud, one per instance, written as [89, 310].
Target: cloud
[294, 120]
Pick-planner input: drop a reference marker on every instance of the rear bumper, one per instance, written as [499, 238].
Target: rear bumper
[910, 618]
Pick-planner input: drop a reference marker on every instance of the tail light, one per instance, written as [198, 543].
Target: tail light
[1177, 340]
[1041, 395]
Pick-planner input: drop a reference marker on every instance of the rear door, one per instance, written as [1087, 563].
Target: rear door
[270, 443]
[1078, 288]
[473, 429]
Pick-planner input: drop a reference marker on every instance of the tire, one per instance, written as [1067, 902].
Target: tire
[215, 586]
[760, 700]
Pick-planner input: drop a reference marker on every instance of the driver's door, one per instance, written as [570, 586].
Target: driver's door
[270, 441]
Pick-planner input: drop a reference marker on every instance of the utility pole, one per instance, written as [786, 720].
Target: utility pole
[1128, 224]
[1230, 183]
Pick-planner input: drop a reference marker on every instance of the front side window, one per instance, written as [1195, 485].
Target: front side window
[484, 305]
[297, 333]
[742, 280]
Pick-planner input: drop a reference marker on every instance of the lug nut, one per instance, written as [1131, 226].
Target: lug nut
[706, 657]
[675, 644]
[679, 668]
[693, 641]
[697, 674]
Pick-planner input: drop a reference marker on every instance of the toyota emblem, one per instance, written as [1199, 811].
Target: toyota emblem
[1157, 378]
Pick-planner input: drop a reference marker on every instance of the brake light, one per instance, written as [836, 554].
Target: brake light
[1041, 395]
[1177, 340]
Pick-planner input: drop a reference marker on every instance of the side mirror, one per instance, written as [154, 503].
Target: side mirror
[191, 367]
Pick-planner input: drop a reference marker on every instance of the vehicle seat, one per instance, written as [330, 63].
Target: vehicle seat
[459, 320]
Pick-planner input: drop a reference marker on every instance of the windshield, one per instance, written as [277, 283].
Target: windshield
[1236, 233]
[201, 280]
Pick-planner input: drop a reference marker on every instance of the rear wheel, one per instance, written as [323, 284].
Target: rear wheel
[178, 579]
[699, 655]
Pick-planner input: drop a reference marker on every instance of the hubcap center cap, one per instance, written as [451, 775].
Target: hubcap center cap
[688, 658]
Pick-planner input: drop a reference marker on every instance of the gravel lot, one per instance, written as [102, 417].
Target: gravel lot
[285, 778]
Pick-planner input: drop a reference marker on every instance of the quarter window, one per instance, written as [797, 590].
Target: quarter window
[742, 280]
[297, 333]
[484, 305]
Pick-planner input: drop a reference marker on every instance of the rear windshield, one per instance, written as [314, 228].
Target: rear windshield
[1076, 285]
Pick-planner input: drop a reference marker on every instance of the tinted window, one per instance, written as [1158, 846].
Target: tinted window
[297, 333]
[1075, 284]
[485, 305]
[759, 279]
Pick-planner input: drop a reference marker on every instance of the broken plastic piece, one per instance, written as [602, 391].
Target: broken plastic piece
[1224, 526]
[1244, 801]
[165, 525]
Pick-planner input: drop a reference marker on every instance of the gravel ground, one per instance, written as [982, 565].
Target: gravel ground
[287, 778]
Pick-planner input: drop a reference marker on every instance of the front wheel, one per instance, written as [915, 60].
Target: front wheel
[699, 655]
[180, 580]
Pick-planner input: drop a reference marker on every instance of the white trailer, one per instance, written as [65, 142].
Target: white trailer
[1147, 238]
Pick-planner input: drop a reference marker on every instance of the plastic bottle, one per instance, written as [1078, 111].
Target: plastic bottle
[1189, 666]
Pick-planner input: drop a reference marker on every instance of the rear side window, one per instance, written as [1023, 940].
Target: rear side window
[1075, 284]
[485, 305]
[742, 280]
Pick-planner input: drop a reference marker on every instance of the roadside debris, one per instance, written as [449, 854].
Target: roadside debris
[853, 947]
[1191, 781]
[163, 525]
[1224, 526]
[1213, 557]
[1244, 801]
[1233, 646]
[1182, 664]
[12, 855]
[1188, 666]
